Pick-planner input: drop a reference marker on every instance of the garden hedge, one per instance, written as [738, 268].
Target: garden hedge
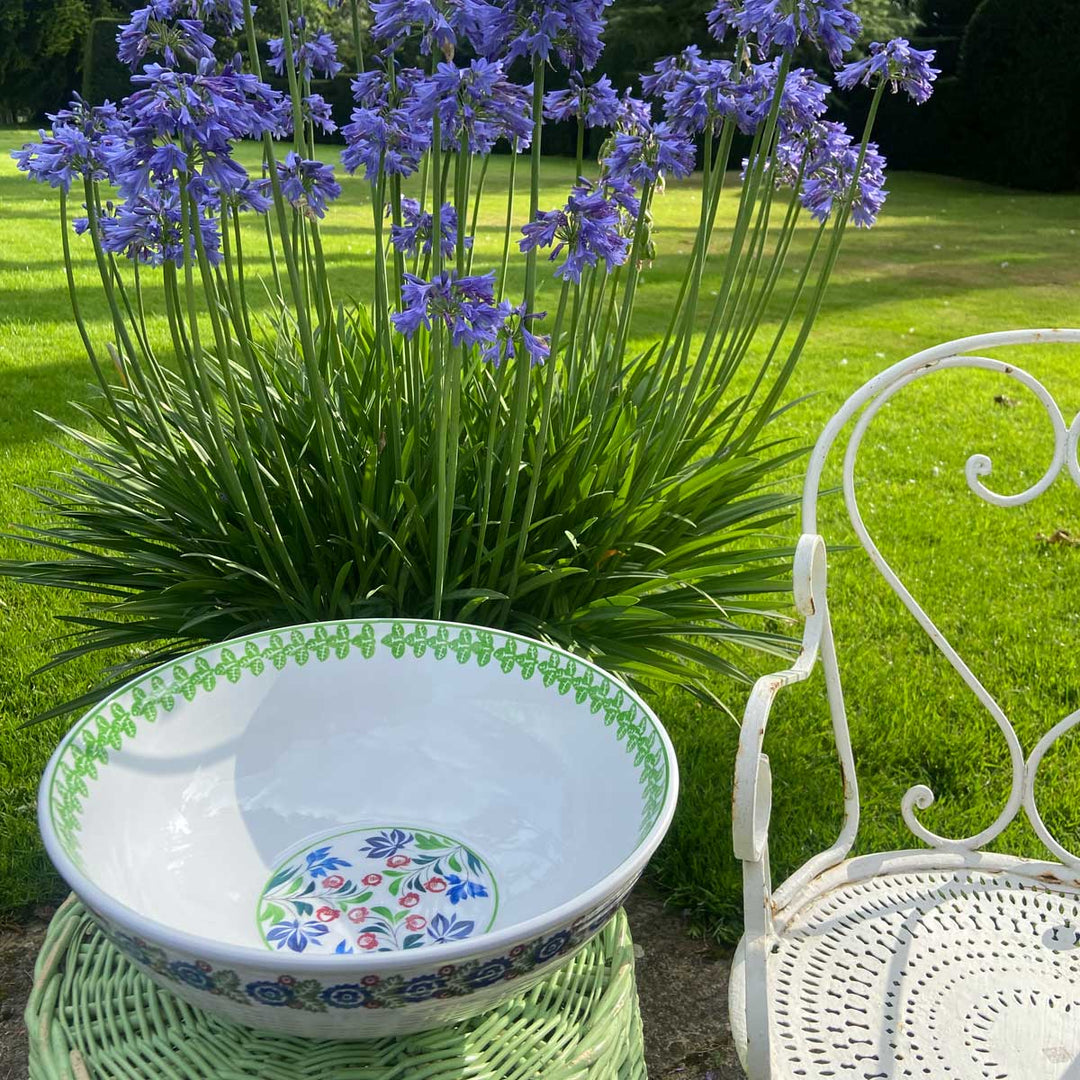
[104, 76]
[1020, 69]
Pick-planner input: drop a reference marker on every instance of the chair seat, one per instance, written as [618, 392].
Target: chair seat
[953, 974]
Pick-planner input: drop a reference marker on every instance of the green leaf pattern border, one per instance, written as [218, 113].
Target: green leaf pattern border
[87, 747]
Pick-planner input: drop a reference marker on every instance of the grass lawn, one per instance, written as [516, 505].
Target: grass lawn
[949, 258]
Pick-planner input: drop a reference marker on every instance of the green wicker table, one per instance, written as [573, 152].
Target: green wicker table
[93, 1016]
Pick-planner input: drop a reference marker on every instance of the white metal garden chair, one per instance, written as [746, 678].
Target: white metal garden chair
[942, 962]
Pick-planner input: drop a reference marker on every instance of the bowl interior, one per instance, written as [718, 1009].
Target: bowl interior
[358, 786]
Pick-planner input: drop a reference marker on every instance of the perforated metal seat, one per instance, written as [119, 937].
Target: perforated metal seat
[968, 974]
[943, 962]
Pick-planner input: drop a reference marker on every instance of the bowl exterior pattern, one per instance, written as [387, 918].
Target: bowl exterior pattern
[361, 1006]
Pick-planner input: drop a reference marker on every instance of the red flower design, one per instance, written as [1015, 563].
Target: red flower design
[415, 922]
[435, 884]
[202, 965]
[358, 914]
[370, 980]
[398, 860]
[333, 881]
[410, 899]
[367, 941]
[373, 879]
[327, 914]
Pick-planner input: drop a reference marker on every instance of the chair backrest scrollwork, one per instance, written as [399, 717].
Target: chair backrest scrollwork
[866, 403]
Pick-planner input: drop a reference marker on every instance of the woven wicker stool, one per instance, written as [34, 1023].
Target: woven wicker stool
[92, 1016]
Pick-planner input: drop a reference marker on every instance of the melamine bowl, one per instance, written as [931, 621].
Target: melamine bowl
[352, 829]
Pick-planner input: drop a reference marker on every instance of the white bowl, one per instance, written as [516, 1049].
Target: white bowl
[351, 829]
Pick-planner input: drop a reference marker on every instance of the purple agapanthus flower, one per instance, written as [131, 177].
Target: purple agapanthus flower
[826, 158]
[385, 133]
[784, 23]
[308, 185]
[228, 14]
[157, 29]
[721, 19]
[442, 25]
[699, 95]
[634, 115]
[317, 111]
[536, 29]
[147, 228]
[85, 141]
[597, 104]
[802, 98]
[465, 304]
[623, 194]
[897, 62]
[389, 140]
[588, 229]
[181, 121]
[373, 89]
[415, 231]
[252, 195]
[477, 104]
[515, 333]
[645, 158]
[314, 52]
[667, 73]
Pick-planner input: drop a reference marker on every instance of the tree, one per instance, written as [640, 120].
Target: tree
[41, 44]
[886, 19]
[642, 31]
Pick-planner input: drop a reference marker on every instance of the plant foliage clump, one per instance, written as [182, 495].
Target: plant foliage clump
[446, 451]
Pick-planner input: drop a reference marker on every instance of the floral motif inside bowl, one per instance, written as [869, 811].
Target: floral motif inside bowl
[417, 820]
[378, 890]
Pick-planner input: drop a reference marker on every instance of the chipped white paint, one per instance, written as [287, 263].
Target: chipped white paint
[943, 962]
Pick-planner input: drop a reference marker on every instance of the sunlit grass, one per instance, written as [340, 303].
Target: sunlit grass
[949, 258]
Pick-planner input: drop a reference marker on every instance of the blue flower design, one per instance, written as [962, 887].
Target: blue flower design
[462, 889]
[346, 996]
[421, 988]
[386, 844]
[270, 993]
[190, 975]
[443, 929]
[294, 934]
[320, 862]
[548, 950]
[491, 971]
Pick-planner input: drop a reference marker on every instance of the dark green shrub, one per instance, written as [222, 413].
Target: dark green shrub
[1019, 66]
[940, 16]
[931, 138]
[103, 75]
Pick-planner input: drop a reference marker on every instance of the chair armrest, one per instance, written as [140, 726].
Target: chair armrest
[751, 801]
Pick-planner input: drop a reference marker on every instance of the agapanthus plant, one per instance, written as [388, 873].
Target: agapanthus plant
[458, 446]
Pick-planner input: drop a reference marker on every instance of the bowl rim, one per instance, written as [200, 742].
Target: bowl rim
[430, 956]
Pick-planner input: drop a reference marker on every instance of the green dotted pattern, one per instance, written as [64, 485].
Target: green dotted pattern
[87, 748]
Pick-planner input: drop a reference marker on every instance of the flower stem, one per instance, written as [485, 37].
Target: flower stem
[509, 220]
[534, 180]
[540, 446]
